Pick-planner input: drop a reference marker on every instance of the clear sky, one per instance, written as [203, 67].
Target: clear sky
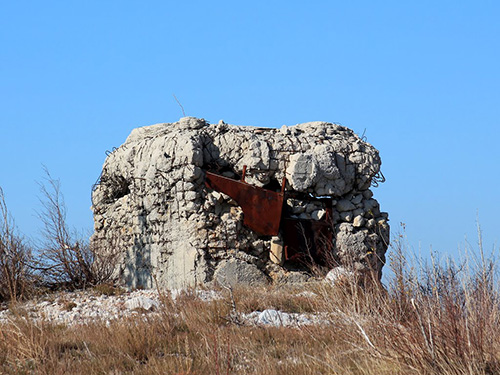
[421, 79]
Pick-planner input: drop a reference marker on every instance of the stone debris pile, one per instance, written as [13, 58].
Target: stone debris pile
[87, 307]
[82, 307]
[152, 203]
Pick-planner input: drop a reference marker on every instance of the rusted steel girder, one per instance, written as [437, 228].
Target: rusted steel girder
[262, 208]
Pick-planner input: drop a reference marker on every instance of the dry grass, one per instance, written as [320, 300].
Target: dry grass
[431, 320]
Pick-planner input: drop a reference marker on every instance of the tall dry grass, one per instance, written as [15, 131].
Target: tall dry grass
[436, 318]
[439, 317]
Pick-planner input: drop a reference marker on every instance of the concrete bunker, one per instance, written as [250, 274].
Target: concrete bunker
[191, 203]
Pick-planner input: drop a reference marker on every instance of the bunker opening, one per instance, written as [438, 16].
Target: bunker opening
[295, 241]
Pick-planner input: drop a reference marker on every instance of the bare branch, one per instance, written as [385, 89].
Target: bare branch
[16, 279]
[66, 259]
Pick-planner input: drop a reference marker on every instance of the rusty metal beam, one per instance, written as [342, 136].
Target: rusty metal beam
[305, 241]
[262, 208]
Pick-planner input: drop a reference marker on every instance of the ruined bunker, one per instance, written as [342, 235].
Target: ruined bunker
[189, 203]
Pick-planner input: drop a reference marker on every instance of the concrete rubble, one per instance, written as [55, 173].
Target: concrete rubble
[86, 307]
[152, 205]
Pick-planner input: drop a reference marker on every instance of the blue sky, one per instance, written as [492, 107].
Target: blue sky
[421, 79]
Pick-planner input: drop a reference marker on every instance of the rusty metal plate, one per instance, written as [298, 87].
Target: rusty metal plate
[262, 208]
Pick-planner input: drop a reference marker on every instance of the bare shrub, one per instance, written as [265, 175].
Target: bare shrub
[66, 259]
[16, 278]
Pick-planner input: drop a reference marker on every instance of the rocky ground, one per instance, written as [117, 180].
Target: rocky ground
[88, 305]
[82, 307]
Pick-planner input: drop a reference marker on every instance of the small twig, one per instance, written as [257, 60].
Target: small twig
[363, 136]
[180, 105]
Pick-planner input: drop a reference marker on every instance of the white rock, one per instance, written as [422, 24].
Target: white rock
[284, 130]
[318, 214]
[302, 171]
[358, 221]
[370, 223]
[346, 216]
[191, 123]
[337, 274]
[141, 303]
[275, 318]
[307, 294]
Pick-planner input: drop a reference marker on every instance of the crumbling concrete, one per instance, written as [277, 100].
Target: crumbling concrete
[152, 203]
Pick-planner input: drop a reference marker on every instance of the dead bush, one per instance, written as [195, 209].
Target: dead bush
[16, 278]
[65, 259]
